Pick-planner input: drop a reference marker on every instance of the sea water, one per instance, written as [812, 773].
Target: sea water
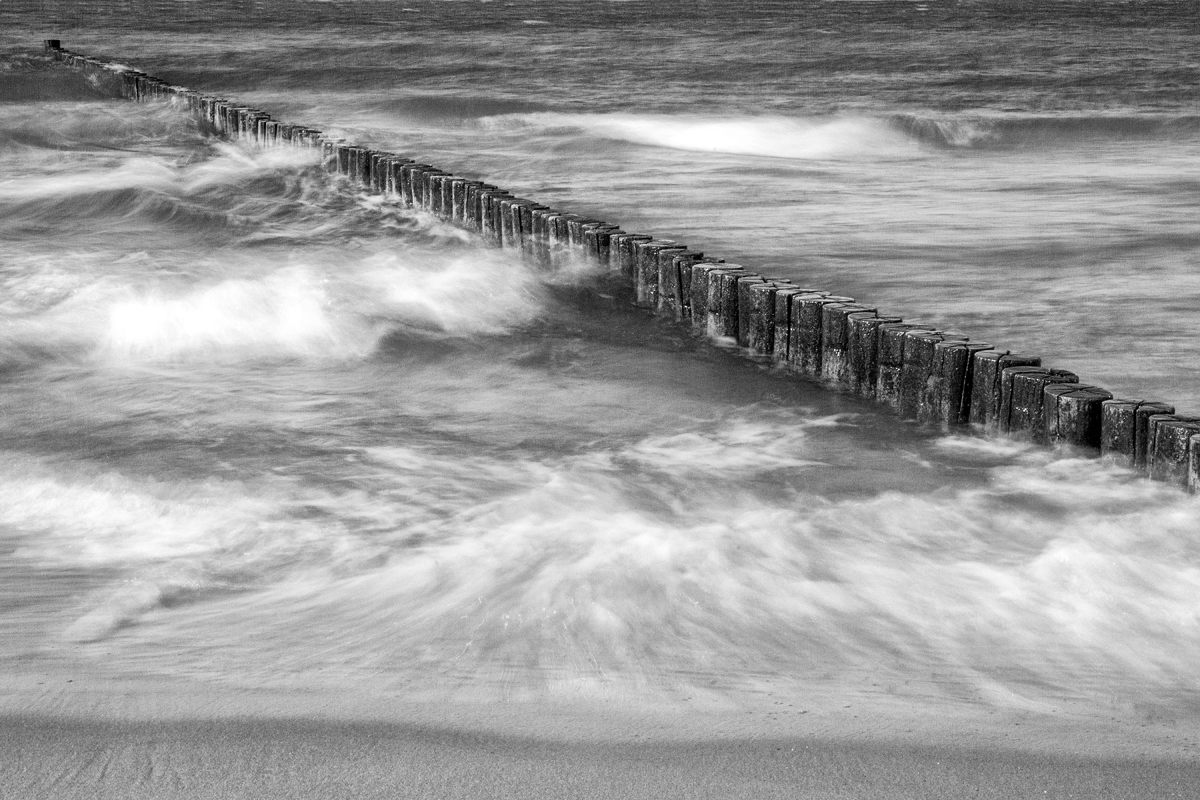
[261, 428]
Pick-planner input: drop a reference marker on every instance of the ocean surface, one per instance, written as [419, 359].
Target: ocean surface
[259, 428]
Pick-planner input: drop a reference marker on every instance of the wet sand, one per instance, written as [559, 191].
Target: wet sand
[133, 740]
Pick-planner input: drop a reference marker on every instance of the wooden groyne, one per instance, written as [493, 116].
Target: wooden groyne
[920, 372]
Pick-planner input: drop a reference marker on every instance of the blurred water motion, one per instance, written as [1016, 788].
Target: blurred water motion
[261, 428]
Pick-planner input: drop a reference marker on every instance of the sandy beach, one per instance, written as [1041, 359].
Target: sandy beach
[87, 738]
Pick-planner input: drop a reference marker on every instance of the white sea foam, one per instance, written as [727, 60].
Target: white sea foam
[773, 136]
[617, 563]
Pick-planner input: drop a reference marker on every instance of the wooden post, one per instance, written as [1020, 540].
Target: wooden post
[702, 287]
[493, 221]
[396, 176]
[728, 286]
[835, 339]
[1193, 481]
[1022, 399]
[510, 234]
[1123, 428]
[627, 253]
[672, 266]
[434, 194]
[917, 400]
[986, 384]
[745, 307]
[596, 238]
[782, 338]
[947, 397]
[889, 356]
[532, 245]
[379, 171]
[721, 305]
[646, 274]
[1169, 453]
[804, 337]
[1073, 414]
[760, 309]
[345, 157]
[862, 351]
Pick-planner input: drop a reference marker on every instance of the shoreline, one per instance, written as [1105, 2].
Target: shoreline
[124, 738]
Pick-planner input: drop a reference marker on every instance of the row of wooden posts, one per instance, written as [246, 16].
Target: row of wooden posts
[920, 372]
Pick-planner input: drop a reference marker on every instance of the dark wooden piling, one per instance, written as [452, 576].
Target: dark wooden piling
[721, 301]
[1073, 414]
[729, 285]
[408, 176]
[343, 153]
[542, 220]
[835, 339]
[626, 253]
[1023, 399]
[1193, 475]
[890, 344]
[496, 207]
[918, 397]
[446, 206]
[604, 244]
[379, 171]
[522, 222]
[947, 395]
[806, 328]
[559, 231]
[396, 176]
[434, 191]
[510, 222]
[456, 196]
[702, 286]
[1123, 428]
[782, 337]
[746, 306]
[360, 166]
[532, 243]
[577, 228]
[492, 226]
[1117, 428]
[987, 384]
[756, 313]
[674, 282]
[474, 212]
[1168, 454]
[862, 350]
[1141, 423]
[646, 269]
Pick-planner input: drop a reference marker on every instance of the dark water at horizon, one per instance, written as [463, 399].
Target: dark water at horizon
[261, 428]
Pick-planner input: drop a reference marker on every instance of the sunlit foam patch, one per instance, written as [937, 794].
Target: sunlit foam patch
[235, 165]
[283, 313]
[777, 137]
[136, 173]
[457, 292]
